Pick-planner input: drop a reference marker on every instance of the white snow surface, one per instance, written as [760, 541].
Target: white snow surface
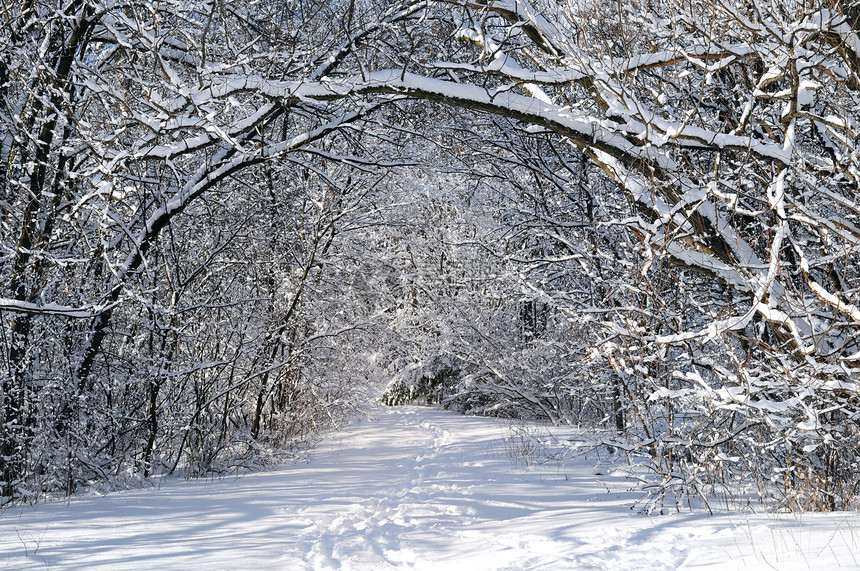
[412, 488]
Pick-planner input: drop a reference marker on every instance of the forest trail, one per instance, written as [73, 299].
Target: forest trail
[412, 488]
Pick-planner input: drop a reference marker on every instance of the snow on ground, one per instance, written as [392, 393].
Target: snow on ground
[415, 488]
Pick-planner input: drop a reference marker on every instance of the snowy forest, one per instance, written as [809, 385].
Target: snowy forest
[226, 226]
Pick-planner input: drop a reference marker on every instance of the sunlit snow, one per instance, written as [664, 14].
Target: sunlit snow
[413, 488]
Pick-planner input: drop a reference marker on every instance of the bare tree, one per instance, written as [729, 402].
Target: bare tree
[726, 129]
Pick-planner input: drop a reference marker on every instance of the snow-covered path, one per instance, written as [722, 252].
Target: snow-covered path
[416, 488]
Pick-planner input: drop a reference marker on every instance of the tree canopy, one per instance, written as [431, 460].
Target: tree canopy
[223, 222]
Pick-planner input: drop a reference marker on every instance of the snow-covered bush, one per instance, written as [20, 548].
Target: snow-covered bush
[429, 382]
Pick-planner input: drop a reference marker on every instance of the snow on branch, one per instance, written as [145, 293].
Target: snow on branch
[585, 129]
[16, 306]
